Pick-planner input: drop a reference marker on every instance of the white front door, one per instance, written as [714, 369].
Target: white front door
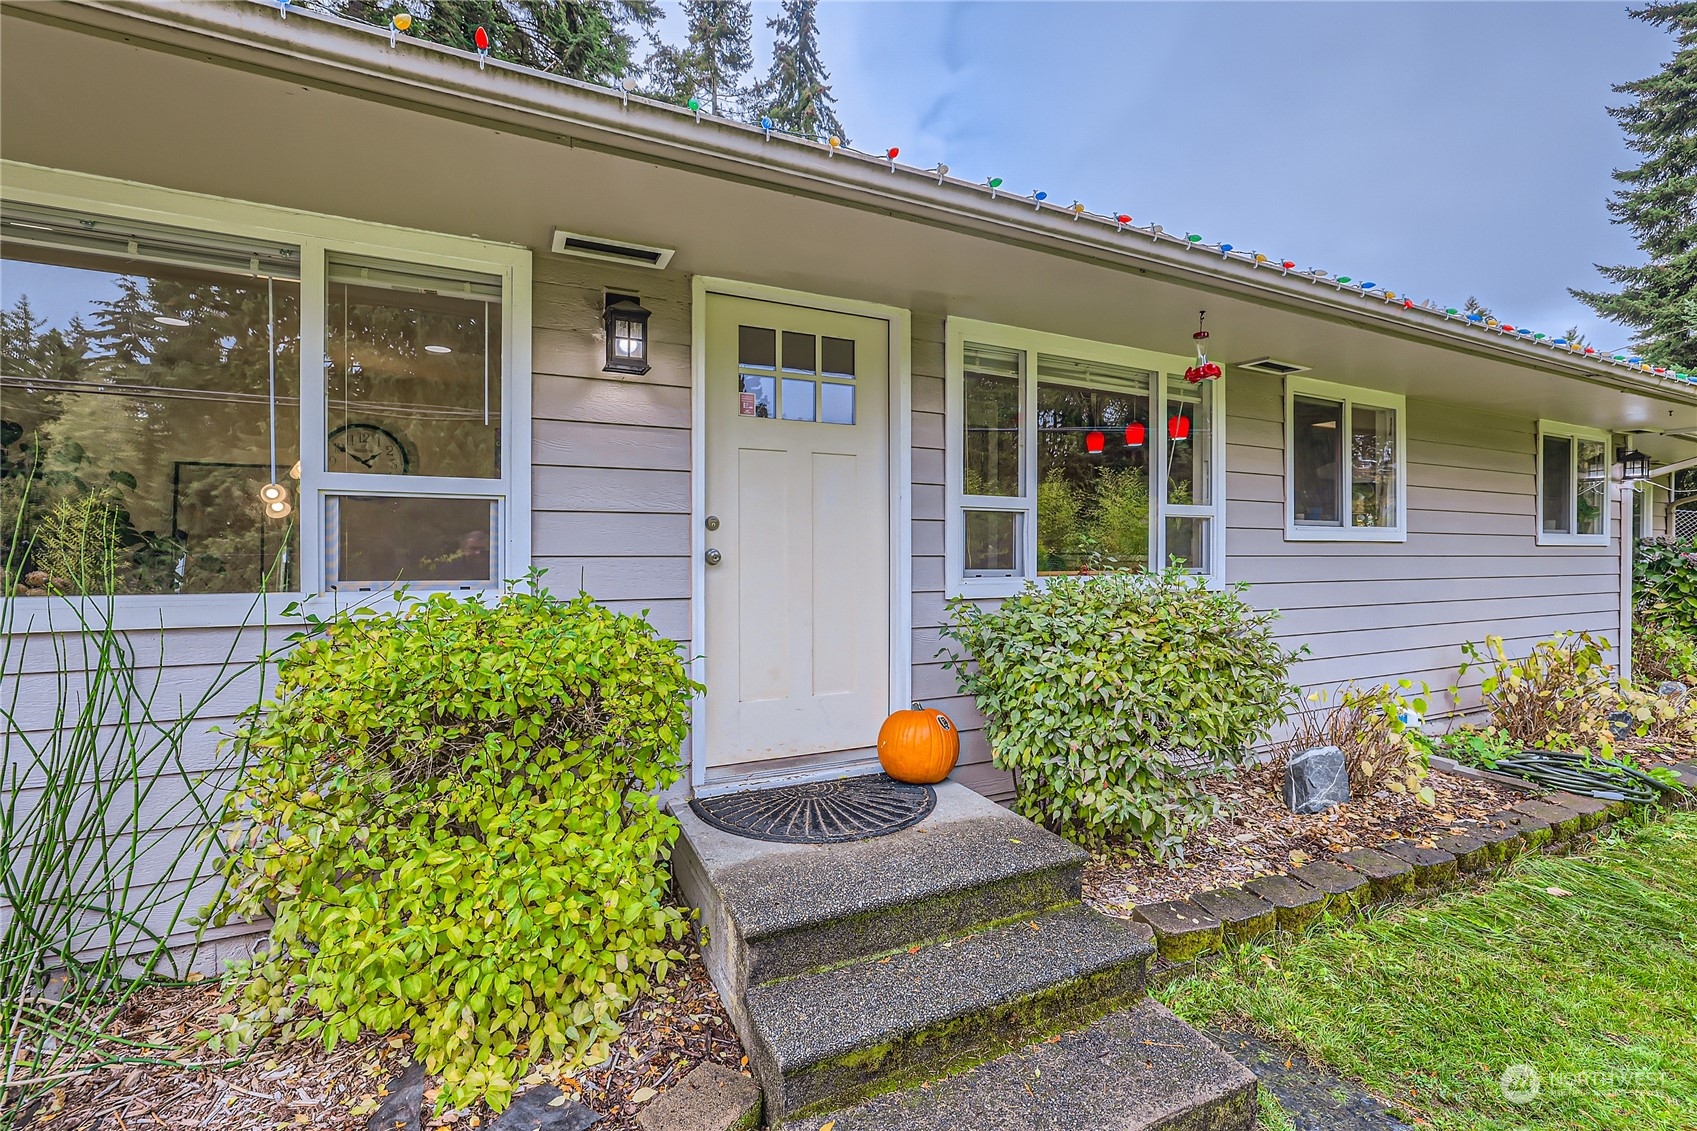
[798, 514]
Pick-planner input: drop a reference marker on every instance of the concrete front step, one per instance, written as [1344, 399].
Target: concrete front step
[1140, 1069]
[772, 911]
[822, 1040]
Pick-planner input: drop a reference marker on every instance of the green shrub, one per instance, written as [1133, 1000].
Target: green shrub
[450, 815]
[1664, 583]
[1109, 697]
[1660, 654]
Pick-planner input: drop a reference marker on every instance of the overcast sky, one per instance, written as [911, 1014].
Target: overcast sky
[1440, 149]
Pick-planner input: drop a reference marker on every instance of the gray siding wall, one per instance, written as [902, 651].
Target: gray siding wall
[1375, 612]
[610, 488]
[932, 685]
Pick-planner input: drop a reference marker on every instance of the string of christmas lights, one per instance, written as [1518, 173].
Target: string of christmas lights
[1122, 222]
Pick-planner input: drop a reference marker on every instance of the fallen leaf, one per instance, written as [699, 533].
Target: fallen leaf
[1558, 891]
[829, 1126]
[642, 1095]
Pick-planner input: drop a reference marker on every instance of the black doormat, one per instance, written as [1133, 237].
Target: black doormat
[827, 812]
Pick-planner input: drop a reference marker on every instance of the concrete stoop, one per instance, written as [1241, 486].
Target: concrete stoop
[861, 976]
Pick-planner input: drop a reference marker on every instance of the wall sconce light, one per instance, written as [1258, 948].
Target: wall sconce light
[627, 335]
[1634, 464]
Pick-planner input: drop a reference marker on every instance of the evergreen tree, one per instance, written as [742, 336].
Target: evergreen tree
[1659, 201]
[797, 92]
[592, 40]
[1474, 306]
[713, 63]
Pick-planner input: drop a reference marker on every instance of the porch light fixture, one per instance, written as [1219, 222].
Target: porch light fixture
[1094, 442]
[627, 335]
[1634, 464]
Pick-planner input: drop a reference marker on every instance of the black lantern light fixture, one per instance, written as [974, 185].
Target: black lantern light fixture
[1634, 464]
[627, 335]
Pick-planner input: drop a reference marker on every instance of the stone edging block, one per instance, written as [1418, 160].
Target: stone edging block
[1298, 904]
[1564, 823]
[1472, 853]
[1346, 889]
[1183, 931]
[1432, 866]
[1387, 876]
[1243, 915]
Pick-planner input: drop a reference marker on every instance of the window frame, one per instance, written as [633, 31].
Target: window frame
[1165, 367]
[1574, 433]
[1348, 396]
[317, 237]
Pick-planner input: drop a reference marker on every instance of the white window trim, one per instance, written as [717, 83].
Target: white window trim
[1349, 396]
[958, 331]
[317, 236]
[1575, 432]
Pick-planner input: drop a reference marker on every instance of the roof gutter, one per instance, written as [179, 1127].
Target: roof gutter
[336, 55]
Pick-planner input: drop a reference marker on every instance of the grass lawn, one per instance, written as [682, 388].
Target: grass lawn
[1583, 967]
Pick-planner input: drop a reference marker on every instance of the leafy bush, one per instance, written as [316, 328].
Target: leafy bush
[1664, 582]
[1381, 743]
[450, 815]
[1108, 697]
[1557, 698]
[1660, 654]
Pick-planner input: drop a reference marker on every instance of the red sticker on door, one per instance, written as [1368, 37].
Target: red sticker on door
[748, 404]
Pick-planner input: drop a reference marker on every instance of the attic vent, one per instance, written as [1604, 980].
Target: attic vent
[1274, 366]
[610, 251]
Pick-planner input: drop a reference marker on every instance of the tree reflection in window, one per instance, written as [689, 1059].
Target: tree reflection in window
[144, 406]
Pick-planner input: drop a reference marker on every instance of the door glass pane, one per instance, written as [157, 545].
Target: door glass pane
[757, 347]
[1373, 469]
[992, 422]
[836, 403]
[1190, 461]
[993, 543]
[797, 403]
[1593, 486]
[379, 542]
[759, 396]
[1187, 541]
[837, 356]
[1558, 485]
[413, 372]
[144, 406]
[798, 352]
[1092, 467]
[1316, 444]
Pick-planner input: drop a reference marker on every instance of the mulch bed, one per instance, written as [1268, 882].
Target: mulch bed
[1257, 835]
[299, 1085]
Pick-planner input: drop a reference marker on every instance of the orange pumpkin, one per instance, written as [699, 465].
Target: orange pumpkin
[919, 746]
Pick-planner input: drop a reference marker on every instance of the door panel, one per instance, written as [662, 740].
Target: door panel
[798, 606]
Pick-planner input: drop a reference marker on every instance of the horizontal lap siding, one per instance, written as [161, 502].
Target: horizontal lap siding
[1375, 612]
[932, 684]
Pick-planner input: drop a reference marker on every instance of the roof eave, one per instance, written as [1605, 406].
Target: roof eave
[337, 55]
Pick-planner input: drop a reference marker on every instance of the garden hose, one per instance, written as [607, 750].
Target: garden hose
[1601, 778]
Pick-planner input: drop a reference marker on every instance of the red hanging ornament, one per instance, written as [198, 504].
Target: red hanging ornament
[1203, 370]
[1094, 442]
[1178, 428]
[1135, 434]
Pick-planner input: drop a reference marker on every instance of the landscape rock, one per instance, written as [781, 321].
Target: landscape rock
[1316, 780]
[400, 1108]
[1621, 724]
[545, 1108]
[1671, 689]
[711, 1098]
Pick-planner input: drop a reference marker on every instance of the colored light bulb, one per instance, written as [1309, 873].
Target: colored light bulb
[402, 21]
[481, 38]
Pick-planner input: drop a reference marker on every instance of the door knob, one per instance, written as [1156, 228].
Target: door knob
[714, 557]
